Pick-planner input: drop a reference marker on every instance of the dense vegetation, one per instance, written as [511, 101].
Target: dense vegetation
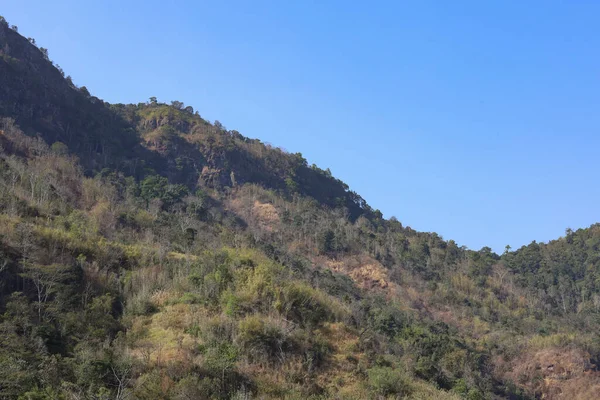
[147, 253]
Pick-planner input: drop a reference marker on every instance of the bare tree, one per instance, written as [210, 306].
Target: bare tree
[45, 279]
[124, 379]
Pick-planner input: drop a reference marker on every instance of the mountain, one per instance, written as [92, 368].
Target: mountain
[146, 253]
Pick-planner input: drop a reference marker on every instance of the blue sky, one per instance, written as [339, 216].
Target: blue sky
[475, 119]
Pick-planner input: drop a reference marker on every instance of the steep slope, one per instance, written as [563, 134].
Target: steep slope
[34, 93]
[200, 153]
[147, 253]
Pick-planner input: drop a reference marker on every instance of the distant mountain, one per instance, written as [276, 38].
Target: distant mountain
[146, 253]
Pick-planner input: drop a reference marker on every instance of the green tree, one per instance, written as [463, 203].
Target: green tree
[59, 148]
[325, 241]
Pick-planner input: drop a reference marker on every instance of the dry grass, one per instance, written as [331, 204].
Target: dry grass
[555, 372]
[365, 271]
[266, 215]
[160, 339]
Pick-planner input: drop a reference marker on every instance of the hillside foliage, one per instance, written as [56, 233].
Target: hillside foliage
[146, 253]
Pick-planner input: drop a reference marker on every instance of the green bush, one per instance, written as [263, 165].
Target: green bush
[304, 305]
[317, 352]
[140, 304]
[387, 381]
[41, 394]
[158, 187]
[260, 340]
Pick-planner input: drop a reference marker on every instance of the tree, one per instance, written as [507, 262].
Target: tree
[158, 187]
[45, 53]
[46, 281]
[219, 125]
[59, 148]
[569, 235]
[325, 241]
[177, 104]
[153, 186]
[291, 185]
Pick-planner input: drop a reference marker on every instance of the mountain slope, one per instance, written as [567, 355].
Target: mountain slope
[34, 93]
[147, 253]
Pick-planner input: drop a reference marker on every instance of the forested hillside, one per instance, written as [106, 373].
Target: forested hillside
[146, 253]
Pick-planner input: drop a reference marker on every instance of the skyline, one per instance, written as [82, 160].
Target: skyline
[486, 140]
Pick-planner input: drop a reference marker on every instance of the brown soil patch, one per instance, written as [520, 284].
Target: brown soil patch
[365, 271]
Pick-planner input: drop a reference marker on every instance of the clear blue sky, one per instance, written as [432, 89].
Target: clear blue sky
[475, 119]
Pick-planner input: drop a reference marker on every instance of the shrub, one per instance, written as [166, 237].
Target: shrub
[260, 340]
[41, 394]
[387, 381]
[140, 304]
[158, 187]
[304, 305]
[217, 330]
[316, 353]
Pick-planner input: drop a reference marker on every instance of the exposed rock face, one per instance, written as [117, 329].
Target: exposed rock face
[155, 123]
[213, 177]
